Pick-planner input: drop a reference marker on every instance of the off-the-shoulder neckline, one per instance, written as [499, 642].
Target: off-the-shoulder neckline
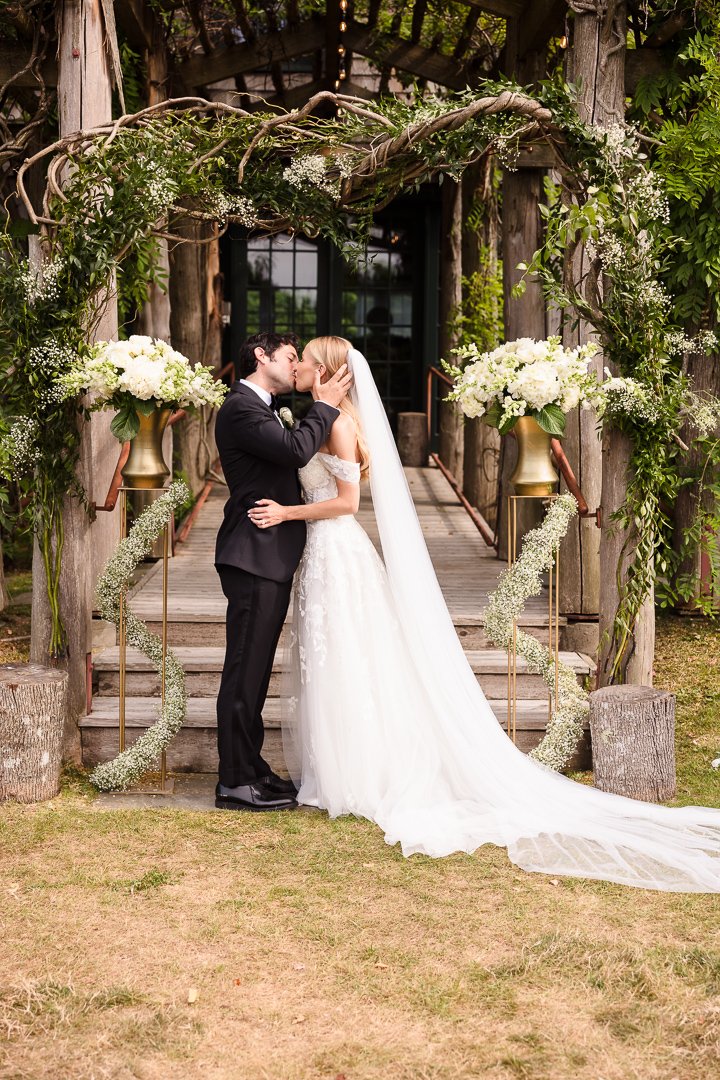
[323, 453]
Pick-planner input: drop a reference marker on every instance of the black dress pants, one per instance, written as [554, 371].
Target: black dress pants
[256, 611]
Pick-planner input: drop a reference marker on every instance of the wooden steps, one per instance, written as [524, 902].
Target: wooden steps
[467, 571]
[194, 749]
[203, 667]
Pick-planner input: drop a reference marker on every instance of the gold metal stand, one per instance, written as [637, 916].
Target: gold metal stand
[167, 785]
[553, 616]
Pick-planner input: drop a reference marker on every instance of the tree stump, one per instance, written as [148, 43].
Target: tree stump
[633, 741]
[32, 716]
[413, 439]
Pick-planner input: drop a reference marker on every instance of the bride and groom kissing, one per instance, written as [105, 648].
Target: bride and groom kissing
[385, 719]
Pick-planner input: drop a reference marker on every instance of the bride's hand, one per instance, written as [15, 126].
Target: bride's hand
[266, 513]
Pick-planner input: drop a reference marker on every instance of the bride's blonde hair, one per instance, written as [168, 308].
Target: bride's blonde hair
[332, 352]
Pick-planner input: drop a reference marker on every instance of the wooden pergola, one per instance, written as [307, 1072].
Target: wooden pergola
[281, 55]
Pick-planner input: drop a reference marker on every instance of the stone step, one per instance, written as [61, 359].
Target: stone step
[204, 665]
[194, 749]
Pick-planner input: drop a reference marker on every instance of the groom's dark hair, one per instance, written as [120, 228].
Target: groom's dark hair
[269, 343]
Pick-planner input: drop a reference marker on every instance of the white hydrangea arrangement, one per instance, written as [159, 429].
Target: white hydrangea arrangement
[523, 378]
[131, 764]
[137, 376]
[505, 605]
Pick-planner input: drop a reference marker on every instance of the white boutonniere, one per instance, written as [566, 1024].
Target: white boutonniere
[287, 417]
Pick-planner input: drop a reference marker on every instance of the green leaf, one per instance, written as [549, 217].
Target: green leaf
[551, 419]
[145, 408]
[492, 416]
[507, 425]
[125, 425]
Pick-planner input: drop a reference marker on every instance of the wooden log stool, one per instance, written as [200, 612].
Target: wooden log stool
[412, 439]
[632, 729]
[32, 716]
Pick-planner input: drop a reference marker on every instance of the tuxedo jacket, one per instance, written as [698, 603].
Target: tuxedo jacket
[260, 458]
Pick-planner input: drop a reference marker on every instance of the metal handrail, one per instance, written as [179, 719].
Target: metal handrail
[116, 482]
[482, 526]
[571, 483]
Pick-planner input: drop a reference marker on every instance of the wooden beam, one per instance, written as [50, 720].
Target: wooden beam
[285, 45]
[415, 59]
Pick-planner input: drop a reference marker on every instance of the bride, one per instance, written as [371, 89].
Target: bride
[387, 720]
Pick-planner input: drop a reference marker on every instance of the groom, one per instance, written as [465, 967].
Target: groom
[260, 458]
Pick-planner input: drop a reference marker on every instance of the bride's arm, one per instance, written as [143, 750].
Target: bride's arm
[342, 443]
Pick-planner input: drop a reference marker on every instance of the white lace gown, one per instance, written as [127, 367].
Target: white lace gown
[357, 707]
[376, 726]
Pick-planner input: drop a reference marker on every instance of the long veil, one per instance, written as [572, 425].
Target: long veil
[547, 822]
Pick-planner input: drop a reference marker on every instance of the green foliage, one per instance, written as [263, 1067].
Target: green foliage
[616, 207]
[124, 188]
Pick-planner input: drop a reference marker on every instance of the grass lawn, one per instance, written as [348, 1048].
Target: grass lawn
[147, 944]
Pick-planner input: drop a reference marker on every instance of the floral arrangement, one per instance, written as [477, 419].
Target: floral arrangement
[516, 585]
[131, 764]
[523, 378]
[138, 376]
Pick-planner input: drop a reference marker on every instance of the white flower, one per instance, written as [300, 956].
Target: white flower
[310, 171]
[523, 376]
[287, 417]
[505, 605]
[145, 368]
[131, 764]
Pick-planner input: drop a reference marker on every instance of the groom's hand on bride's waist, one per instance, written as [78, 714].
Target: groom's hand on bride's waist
[335, 389]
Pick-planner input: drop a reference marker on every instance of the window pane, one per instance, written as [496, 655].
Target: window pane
[258, 266]
[306, 270]
[282, 268]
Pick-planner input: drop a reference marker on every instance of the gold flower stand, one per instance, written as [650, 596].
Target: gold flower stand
[167, 784]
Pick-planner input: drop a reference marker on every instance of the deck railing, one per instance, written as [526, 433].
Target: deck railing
[435, 376]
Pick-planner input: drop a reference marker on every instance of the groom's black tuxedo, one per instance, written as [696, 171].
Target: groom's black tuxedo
[260, 459]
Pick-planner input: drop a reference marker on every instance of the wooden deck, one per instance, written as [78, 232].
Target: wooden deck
[467, 570]
[466, 567]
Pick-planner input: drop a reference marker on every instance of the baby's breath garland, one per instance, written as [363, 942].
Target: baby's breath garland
[516, 585]
[131, 764]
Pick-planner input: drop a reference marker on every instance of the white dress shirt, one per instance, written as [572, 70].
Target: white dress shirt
[264, 395]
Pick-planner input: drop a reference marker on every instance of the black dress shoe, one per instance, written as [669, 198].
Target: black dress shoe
[278, 786]
[254, 797]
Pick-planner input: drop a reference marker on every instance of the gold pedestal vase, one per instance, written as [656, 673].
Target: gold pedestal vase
[145, 467]
[534, 473]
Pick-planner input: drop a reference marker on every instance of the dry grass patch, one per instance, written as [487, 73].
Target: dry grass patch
[315, 951]
[147, 943]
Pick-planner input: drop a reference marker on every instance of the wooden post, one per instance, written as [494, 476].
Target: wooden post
[633, 741]
[524, 316]
[638, 665]
[481, 452]
[154, 318]
[84, 101]
[412, 439]
[596, 62]
[704, 371]
[193, 330]
[451, 418]
[32, 715]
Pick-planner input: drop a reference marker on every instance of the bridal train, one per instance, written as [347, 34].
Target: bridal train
[387, 720]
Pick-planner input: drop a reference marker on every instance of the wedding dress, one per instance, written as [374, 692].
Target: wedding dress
[386, 719]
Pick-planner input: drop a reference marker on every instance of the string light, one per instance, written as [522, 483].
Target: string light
[342, 50]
